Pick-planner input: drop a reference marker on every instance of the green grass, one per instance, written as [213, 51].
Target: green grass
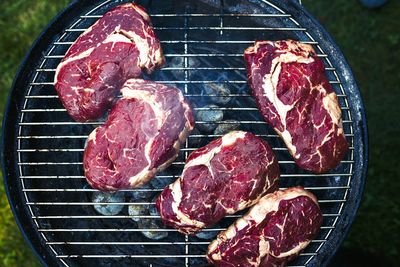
[369, 39]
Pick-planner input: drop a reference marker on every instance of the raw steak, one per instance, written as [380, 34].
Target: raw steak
[141, 136]
[294, 96]
[227, 175]
[117, 47]
[272, 233]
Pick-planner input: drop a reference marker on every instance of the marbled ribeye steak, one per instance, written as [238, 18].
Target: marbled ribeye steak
[293, 94]
[273, 232]
[119, 46]
[227, 175]
[141, 136]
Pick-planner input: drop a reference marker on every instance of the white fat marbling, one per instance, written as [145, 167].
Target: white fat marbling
[331, 105]
[149, 99]
[177, 195]
[227, 140]
[84, 54]
[270, 202]
[294, 250]
[144, 15]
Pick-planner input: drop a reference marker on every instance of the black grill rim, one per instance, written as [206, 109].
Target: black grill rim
[14, 106]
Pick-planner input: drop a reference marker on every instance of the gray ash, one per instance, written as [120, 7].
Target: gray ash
[219, 92]
[145, 192]
[104, 197]
[226, 127]
[208, 114]
[208, 235]
[147, 223]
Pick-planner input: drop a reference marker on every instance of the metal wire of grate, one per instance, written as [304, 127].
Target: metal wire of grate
[50, 144]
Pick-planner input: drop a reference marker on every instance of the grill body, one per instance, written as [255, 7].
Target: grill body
[203, 42]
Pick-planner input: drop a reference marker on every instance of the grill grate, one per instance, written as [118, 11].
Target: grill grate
[50, 144]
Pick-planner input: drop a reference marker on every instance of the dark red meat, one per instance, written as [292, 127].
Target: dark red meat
[272, 233]
[141, 136]
[117, 47]
[228, 175]
[293, 94]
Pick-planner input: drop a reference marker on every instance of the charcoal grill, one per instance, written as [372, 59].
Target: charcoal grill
[203, 43]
